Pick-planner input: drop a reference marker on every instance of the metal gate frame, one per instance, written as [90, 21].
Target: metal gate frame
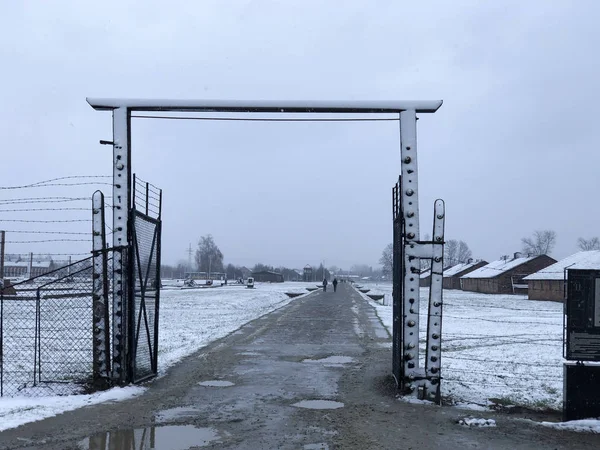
[397, 286]
[144, 286]
[413, 248]
[140, 273]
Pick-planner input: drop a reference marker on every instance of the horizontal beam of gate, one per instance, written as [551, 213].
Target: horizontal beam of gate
[266, 106]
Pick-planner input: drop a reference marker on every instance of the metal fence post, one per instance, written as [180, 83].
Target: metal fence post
[37, 365]
[2, 239]
[100, 318]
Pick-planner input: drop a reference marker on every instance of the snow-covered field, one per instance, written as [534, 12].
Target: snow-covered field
[192, 318]
[496, 349]
[189, 320]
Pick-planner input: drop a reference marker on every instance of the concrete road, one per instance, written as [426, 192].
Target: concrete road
[312, 375]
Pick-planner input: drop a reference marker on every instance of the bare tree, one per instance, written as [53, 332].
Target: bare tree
[208, 256]
[451, 252]
[387, 259]
[588, 244]
[334, 269]
[541, 243]
[361, 270]
[463, 254]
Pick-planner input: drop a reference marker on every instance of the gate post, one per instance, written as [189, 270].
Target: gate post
[101, 339]
[433, 352]
[424, 382]
[409, 195]
[121, 208]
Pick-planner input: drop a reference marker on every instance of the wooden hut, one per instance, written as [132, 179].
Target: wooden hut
[505, 276]
[452, 275]
[549, 283]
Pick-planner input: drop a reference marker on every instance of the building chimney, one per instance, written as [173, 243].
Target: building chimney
[517, 255]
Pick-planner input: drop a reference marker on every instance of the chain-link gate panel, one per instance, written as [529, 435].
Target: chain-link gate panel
[46, 333]
[145, 295]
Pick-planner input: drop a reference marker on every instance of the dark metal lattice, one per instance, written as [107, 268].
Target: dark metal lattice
[145, 297]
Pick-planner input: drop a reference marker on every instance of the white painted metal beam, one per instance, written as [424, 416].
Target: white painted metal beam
[267, 106]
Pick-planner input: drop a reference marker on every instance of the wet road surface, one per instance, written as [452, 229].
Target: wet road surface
[312, 375]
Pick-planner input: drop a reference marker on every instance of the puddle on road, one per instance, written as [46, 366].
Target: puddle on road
[216, 383]
[331, 360]
[175, 413]
[250, 354]
[318, 404]
[165, 438]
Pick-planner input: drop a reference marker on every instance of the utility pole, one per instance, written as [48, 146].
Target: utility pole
[2, 238]
[190, 258]
[30, 265]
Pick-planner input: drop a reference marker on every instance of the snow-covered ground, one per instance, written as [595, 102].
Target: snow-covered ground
[189, 320]
[496, 349]
[15, 411]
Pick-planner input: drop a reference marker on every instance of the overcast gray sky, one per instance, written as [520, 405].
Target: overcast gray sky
[512, 150]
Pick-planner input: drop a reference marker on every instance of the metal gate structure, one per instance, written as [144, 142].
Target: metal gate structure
[424, 382]
[397, 305]
[144, 266]
[412, 379]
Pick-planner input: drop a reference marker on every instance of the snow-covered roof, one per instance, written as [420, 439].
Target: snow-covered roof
[425, 274]
[498, 267]
[458, 268]
[581, 260]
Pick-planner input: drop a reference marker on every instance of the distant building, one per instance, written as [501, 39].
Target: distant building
[267, 276]
[505, 276]
[549, 283]
[16, 266]
[452, 275]
[425, 278]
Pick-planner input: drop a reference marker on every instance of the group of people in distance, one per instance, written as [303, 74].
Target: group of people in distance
[334, 282]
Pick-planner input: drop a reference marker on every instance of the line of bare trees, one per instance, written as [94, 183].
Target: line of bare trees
[542, 242]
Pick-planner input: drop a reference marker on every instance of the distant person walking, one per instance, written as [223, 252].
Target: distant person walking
[335, 282]
[324, 284]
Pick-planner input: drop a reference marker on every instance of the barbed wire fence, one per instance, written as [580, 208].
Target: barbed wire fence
[47, 223]
[516, 350]
[46, 326]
